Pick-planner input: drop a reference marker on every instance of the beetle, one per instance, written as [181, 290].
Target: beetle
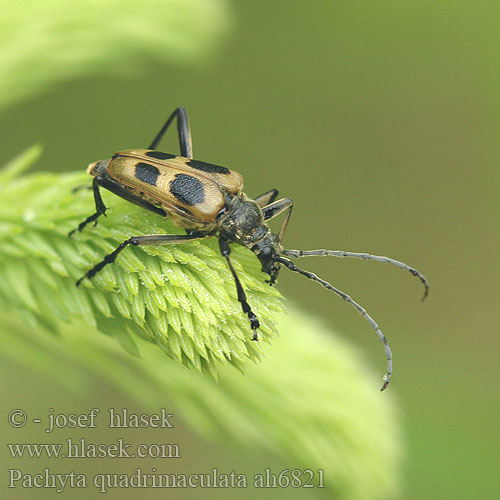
[207, 200]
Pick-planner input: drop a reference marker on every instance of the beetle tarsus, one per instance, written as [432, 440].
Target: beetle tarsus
[109, 259]
[93, 218]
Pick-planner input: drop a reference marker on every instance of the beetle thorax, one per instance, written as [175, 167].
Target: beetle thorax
[243, 222]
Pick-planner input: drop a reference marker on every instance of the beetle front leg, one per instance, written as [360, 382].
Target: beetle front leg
[147, 240]
[225, 250]
[99, 206]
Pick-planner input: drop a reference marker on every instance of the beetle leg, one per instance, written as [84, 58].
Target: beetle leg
[183, 131]
[266, 198]
[274, 209]
[99, 206]
[387, 378]
[150, 239]
[80, 187]
[225, 250]
[365, 256]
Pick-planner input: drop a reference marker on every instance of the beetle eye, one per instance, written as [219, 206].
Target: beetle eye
[266, 252]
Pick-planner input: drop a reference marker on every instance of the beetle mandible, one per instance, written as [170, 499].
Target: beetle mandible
[207, 200]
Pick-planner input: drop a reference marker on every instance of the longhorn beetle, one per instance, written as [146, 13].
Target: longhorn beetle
[207, 200]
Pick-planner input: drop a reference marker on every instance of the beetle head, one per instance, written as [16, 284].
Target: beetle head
[97, 168]
[267, 250]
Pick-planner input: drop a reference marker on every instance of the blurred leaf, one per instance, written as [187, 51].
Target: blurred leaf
[44, 42]
[311, 402]
[20, 163]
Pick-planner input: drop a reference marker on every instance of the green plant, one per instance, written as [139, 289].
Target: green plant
[168, 308]
[182, 301]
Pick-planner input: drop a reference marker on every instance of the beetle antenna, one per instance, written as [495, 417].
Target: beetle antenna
[387, 377]
[364, 256]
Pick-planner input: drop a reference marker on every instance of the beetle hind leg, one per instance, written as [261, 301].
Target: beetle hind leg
[183, 132]
[99, 206]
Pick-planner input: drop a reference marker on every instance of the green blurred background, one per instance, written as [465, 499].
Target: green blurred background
[381, 121]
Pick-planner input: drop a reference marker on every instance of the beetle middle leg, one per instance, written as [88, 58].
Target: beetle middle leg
[225, 250]
[146, 240]
[183, 131]
[99, 206]
[274, 209]
[266, 198]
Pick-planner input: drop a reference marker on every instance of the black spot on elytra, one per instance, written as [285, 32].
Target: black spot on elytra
[187, 189]
[208, 167]
[147, 173]
[159, 155]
